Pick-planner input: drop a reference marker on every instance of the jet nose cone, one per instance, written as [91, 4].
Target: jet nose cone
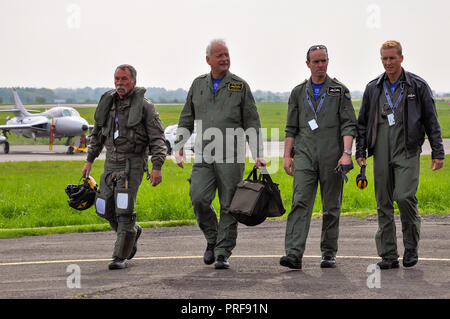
[84, 127]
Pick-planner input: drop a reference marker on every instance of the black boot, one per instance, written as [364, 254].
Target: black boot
[222, 263]
[118, 263]
[410, 257]
[291, 261]
[208, 256]
[328, 262]
[138, 234]
[387, 264]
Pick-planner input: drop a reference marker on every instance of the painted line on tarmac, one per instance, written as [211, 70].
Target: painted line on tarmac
[44, 262]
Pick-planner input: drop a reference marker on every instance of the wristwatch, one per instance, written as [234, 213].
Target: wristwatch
[349, 152]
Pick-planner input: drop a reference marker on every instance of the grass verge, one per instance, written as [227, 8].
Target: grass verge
[39, 231]
[33, 200]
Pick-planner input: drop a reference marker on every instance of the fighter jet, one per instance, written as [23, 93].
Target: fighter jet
[57, 122]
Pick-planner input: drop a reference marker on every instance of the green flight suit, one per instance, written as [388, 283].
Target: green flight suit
[127, 150]
[112, 185]
[221, 168]
[317, 152]
[396, 178]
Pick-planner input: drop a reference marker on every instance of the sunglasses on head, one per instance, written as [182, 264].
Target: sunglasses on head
[316, 47]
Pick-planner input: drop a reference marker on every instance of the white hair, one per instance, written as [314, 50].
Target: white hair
[212, 43]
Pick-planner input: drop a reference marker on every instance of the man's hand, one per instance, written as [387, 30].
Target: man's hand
[361, 161]
[155, 177]
[86, 169]
[179, 157]
[288, 165]
[260, 162]
[436, 164]
[345, 159]
[288, 162]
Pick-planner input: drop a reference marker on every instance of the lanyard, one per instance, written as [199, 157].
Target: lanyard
[393, 107]
[322, 98]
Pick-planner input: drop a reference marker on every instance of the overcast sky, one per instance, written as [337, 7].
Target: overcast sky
[78, 43]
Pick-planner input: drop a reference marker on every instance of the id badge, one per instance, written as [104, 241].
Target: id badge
[116, 134]
[313, 124]
[391, 119]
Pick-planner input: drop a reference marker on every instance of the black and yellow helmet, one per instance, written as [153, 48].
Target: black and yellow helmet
[82, 196]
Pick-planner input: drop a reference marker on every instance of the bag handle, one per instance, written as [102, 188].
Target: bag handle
[264, 177]
[253, 173]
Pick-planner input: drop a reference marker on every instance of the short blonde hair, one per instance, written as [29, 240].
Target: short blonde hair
[392, 44]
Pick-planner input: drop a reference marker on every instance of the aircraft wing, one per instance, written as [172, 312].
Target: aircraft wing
[17, 110]
[10, 111]
[20, 127]
[12, 127]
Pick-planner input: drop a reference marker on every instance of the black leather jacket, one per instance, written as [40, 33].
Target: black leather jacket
[419, 117]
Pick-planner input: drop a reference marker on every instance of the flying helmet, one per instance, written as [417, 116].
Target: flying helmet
[82, 196]
[361, 180]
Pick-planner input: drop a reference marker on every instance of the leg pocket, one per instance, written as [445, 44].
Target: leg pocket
[125, 201]
[104, 205]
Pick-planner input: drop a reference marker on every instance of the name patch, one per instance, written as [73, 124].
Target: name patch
[411, 96]
[235, 86]
[334, 90]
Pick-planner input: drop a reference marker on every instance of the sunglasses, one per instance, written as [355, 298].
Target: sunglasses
[316, 47]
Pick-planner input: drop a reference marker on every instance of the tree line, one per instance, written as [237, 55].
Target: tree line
[92, 95]
[82, 95]
[158, 95]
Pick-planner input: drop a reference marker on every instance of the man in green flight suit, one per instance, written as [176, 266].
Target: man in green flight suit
[222, 106]
[320, 127]
[396, 111]
[128, 125]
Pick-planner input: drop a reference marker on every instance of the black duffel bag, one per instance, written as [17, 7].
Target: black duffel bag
[275, 206]
[255, 199]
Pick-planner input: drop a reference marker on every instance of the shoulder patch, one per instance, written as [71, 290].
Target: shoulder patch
[347, 94]
[334, 90]
[235, 86]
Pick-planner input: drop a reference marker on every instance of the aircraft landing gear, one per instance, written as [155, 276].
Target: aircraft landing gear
[6, 147]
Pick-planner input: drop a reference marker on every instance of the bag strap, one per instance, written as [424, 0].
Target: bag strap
[253, 173]
[267, 179]
[263, 177]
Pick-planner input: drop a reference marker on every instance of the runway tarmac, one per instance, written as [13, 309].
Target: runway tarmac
[169, 265]
[169, 261]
